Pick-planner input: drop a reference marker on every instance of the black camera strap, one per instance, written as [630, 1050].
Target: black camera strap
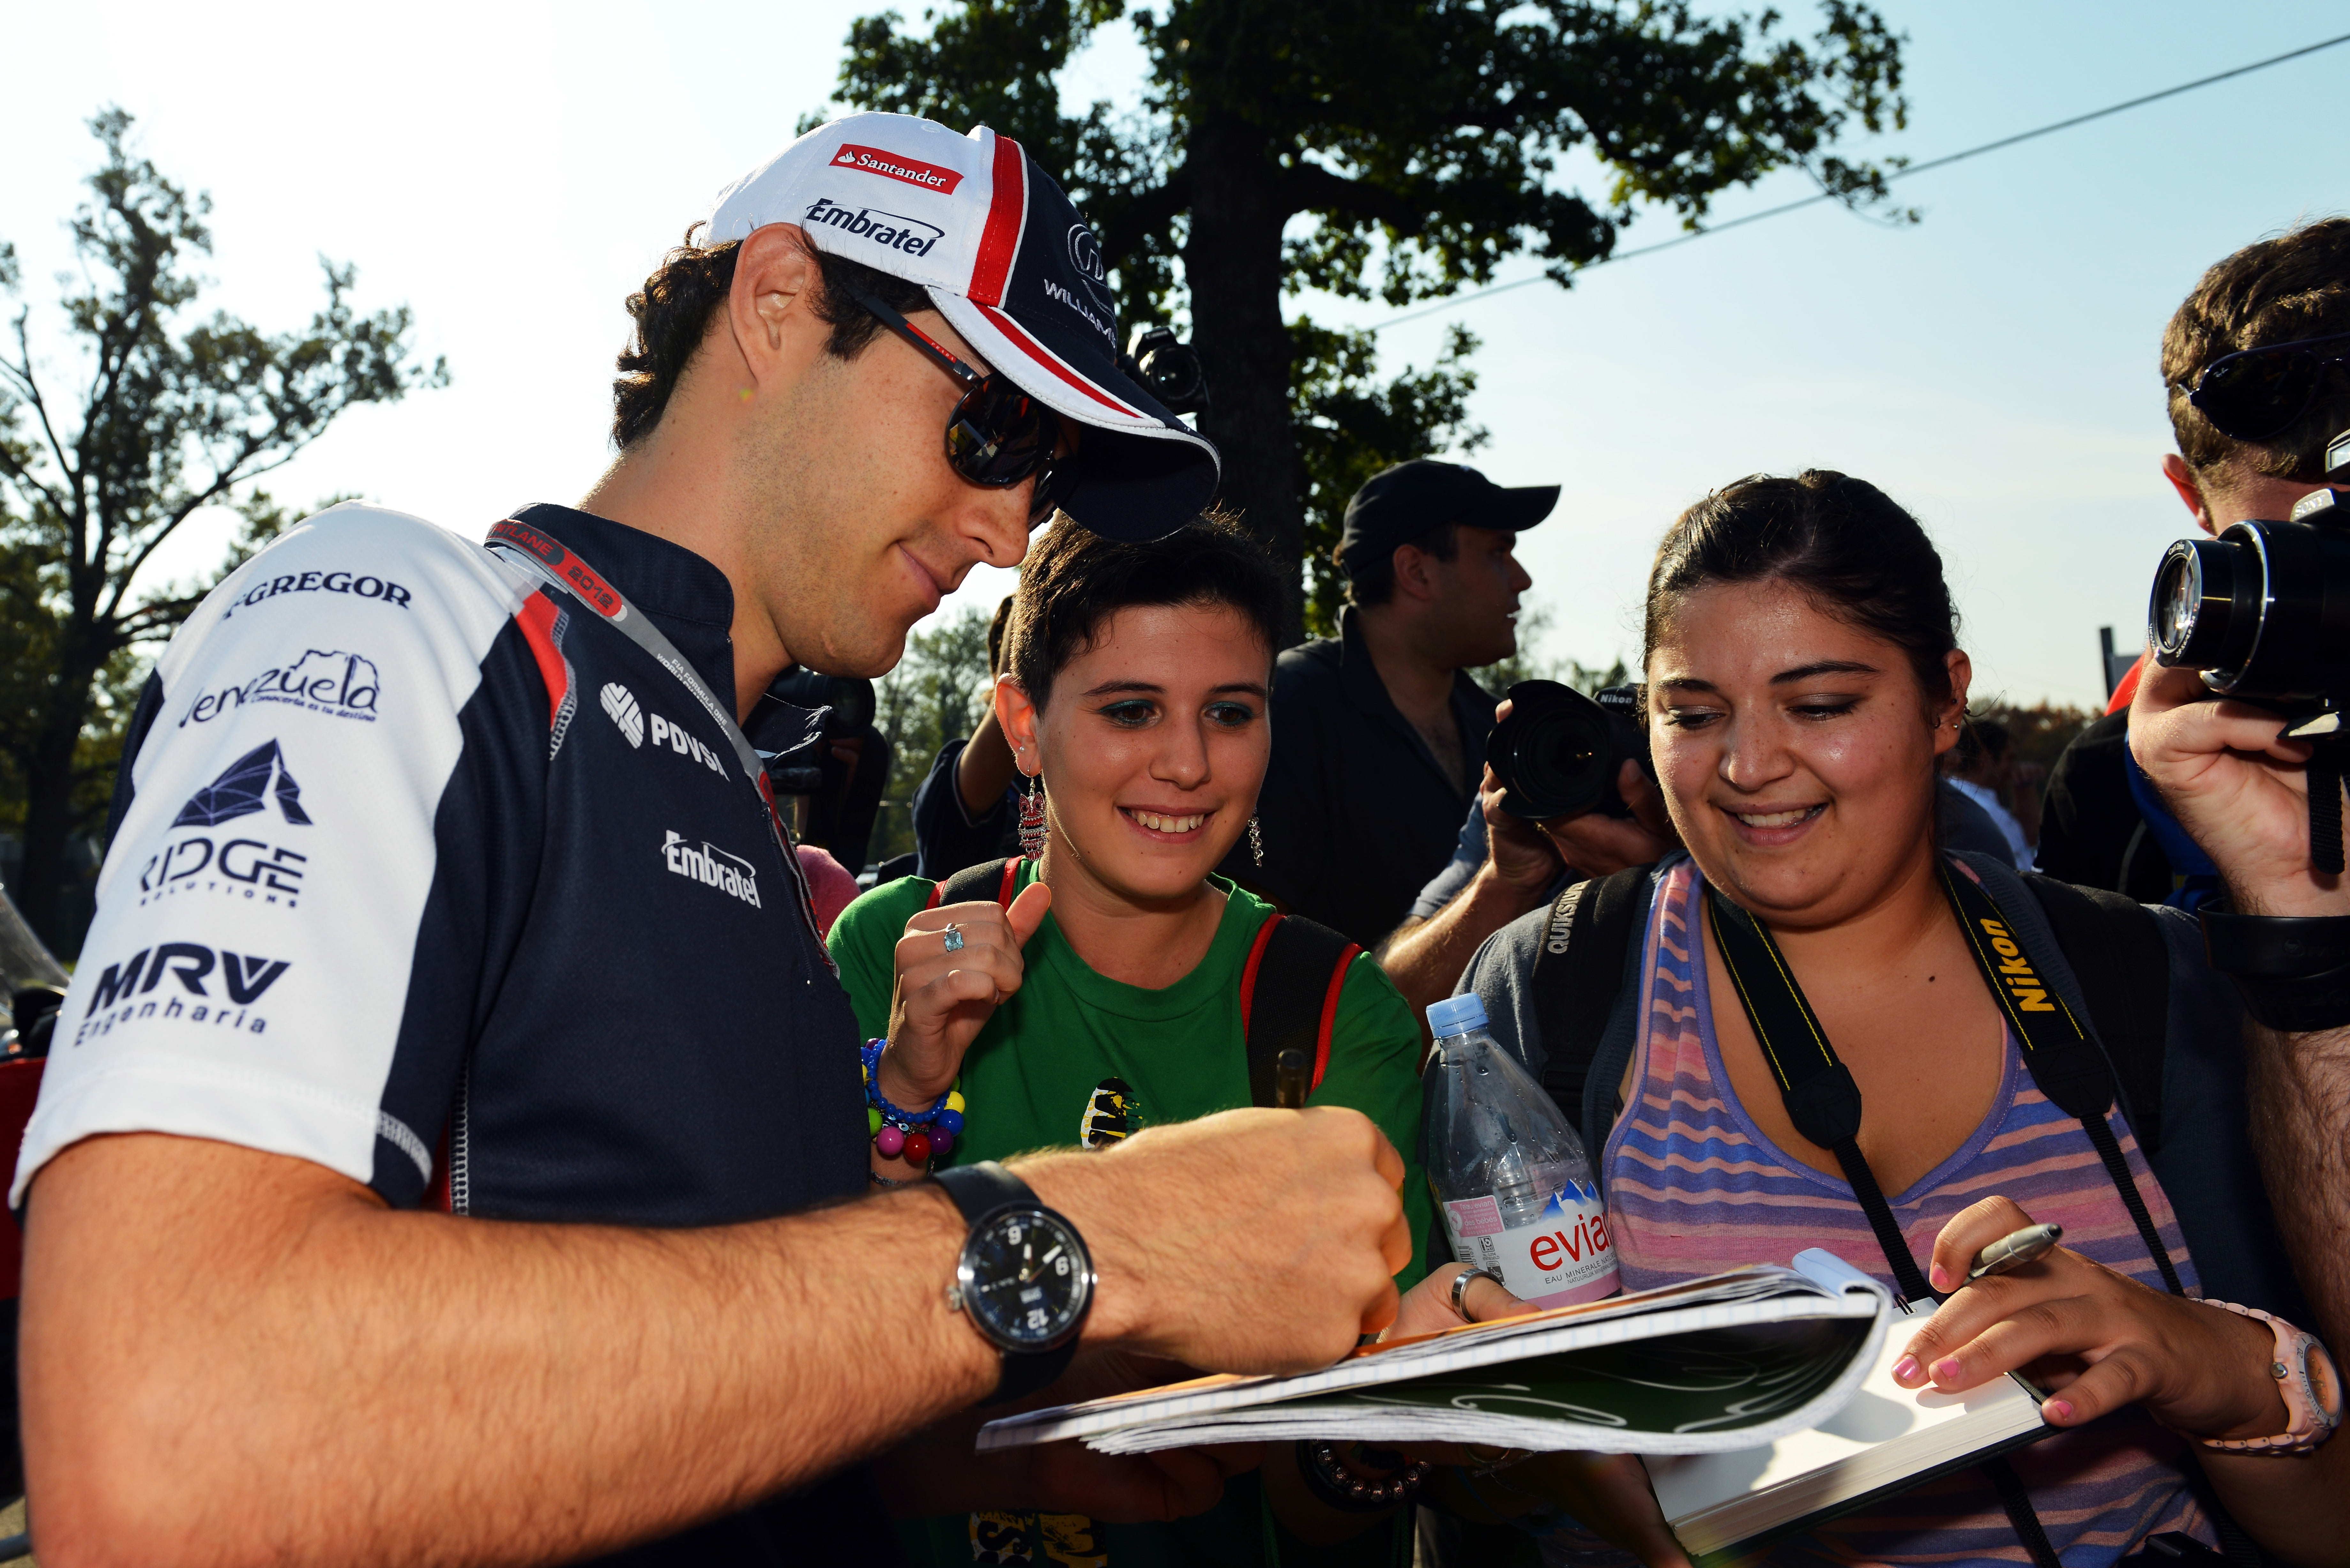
[1823, 1102]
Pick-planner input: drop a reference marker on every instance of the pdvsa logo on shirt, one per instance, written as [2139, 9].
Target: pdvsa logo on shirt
[242, 866]
[712, 866]
[342, 684]
[121, 997]
[621, 704]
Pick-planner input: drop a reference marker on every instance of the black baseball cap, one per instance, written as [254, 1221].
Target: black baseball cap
[1014, 266]
[1402, 503]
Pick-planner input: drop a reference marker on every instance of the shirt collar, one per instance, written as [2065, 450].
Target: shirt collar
[689, 599]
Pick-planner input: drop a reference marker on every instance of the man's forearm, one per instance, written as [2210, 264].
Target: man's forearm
[2301, 1131]
[497, 1391]
[1425, 959]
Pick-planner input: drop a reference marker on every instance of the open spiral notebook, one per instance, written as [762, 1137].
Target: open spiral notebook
[1729, 1362]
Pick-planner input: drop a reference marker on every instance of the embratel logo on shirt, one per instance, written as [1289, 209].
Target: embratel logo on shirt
[895, 166]
[121, 997]
[910, 235]
[342, 684]
[712, 866]
[242, 866]
[358, 585]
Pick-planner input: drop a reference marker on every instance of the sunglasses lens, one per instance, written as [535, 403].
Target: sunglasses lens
[999, 436]
[2251, 397]
[1054, 484]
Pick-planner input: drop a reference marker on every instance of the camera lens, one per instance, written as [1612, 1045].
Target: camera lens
[1553, 753]
[2206, 609]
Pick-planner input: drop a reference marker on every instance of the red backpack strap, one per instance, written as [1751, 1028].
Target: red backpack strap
[988, 879]
[1297, 971]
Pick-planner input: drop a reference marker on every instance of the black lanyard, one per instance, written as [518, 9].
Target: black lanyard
[547, 559]
[1823, 1102]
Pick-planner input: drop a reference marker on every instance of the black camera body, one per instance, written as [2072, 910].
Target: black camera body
[1168, 370]
[1558, 752]
[2263, 610]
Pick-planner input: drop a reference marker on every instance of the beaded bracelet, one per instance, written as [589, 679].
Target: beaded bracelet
[900, 1133]
[1344, 1488]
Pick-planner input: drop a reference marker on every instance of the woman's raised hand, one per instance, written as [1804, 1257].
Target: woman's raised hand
[2094, 1339]
[942, 999]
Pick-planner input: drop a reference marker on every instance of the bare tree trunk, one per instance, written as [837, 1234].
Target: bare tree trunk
[1232, 265]
[48, 798]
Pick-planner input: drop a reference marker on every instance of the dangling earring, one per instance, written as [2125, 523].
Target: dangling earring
[1032, 818]
[1256, 840]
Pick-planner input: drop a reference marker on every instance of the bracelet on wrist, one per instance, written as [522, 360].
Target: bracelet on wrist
[1340, 1485]
[2292, 970]
[898, 1132]
[2306, 1381]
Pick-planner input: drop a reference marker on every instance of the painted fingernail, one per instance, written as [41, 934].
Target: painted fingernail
[2060, 1409]
[1905, 1369]
[1947, 1369]
[1938, 1279]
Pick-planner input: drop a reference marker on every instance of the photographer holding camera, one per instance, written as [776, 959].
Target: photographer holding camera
[2102, 825]
[1379, 732]
[2237, 723]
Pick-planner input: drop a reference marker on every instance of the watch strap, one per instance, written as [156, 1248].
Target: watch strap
[978, 1190]
[981, 1188]
[2307, 1380]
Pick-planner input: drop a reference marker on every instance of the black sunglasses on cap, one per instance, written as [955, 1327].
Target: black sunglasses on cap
[2256, 394]
[998, 435]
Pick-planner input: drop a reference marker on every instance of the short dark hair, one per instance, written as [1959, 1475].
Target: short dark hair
[1842, 541]
[2294, 286]
[674, 309]
[1980, 738]
[1073, 581]
[1373, 582]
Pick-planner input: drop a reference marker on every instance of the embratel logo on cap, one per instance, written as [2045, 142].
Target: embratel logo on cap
[892, 165]
[910, 235]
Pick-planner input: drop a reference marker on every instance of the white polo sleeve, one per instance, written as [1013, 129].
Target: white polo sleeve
[258, 909]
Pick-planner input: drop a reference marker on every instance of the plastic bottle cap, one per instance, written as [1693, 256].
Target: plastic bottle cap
[1456, 1015]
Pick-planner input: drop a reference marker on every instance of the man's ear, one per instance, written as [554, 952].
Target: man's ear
[771, 307]
[2182, 479]
[1415, 574]
[1015, 716]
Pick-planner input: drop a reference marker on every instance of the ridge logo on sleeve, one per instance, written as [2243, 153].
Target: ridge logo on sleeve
[120, 996]
[243, 868]
[342, 684]
[712, 866]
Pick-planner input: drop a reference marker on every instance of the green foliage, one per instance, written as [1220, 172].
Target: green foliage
[1396, 149]
[930, 698]
[97, 472]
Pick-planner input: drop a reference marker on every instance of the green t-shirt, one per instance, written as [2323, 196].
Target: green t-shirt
[1076, 1057]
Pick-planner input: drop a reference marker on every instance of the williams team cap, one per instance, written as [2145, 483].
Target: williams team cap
[1011, 263]
[1399, 504]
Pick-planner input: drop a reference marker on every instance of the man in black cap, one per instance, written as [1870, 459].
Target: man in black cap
[1378, 734]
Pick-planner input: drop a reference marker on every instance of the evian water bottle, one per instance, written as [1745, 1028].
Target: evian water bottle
[1516, 1190]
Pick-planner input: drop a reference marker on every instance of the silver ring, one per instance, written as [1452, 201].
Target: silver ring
[1461, 1287]
[953, 934]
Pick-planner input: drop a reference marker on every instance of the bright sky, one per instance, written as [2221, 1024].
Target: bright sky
[511, 171]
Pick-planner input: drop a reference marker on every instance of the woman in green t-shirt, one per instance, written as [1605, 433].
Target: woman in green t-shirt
[1106, 998]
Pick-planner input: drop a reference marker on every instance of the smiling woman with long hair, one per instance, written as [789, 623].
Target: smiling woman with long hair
[1097, 991]
[1802, 676]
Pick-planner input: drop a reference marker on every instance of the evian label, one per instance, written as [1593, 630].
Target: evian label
[1565, 1255]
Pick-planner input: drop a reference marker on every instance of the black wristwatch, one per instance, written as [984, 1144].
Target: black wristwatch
[1025, 1279]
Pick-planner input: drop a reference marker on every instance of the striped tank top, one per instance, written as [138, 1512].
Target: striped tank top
[1694, 1188]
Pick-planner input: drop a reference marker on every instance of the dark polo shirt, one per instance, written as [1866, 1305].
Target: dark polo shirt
[1356, 814]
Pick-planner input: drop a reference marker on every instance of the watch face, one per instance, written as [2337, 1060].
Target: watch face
[1025, 1279]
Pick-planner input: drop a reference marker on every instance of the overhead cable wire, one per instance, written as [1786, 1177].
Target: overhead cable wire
[1903, 173]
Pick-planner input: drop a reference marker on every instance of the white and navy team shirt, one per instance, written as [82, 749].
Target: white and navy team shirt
[421, 872]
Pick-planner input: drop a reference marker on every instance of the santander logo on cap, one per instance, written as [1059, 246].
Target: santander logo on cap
[894, 166]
